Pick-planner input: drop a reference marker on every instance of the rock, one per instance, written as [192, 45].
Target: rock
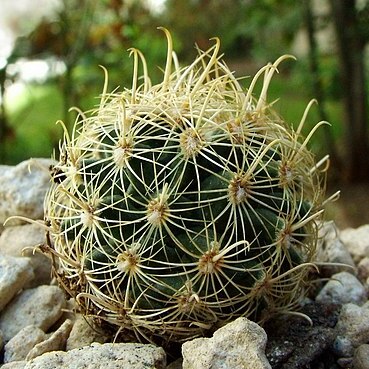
[22, 343]
[356, 241]
[15, 365]
[23, 188]
[55, 342]
[84, 333]
[341, 289]
[15, 272]
[18, 241]
[342, 346]
[345, 362]
[333, 250]
[15, 238]
[1, 341]
[41, 306]
[238, 345]
[361, 357]
[103, 356]
[352, 329]
[363, 270]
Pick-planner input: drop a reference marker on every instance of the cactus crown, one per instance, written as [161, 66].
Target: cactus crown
[179, 206]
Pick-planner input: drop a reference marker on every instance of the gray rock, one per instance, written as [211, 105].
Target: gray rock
[356, 241]
[345, 362]
[363, 270]
[23, 188]
[333, 250]
[103, 356]
[361, 357]
[15, 272]
[341, 289]
[19, 241]
[56, 341]
[342, 346]
[352, 329]
[238, 345]
[41, 306]
[15, 365]
[22, 343]
[84, 333]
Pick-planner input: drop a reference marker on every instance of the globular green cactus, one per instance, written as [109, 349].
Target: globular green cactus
[180, 206]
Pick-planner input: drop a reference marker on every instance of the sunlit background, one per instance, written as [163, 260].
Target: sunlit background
[50, 52]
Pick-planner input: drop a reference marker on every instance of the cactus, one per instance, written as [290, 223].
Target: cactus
[179, 206]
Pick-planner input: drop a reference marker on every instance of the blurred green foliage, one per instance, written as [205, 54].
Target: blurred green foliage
[84, 34]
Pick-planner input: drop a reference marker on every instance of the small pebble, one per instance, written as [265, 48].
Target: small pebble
[41, 306]
[345, 362]
[15, 272]
[361, 357]
[22, 343]
[56, 341]
[356, 241]
[333, 250]
[105, 356]
[238, 345]
[19, 241]
[23, 188]
[352, 329]
[83, 334]
[341, 289]
[363, 269]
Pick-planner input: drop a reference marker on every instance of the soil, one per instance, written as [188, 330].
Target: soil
[295, 343]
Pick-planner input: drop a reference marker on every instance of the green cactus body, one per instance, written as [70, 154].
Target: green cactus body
[180, 206]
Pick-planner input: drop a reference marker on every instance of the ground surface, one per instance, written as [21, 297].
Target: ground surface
[293, 343]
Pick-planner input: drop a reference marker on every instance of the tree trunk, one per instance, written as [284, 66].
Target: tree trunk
[317, 86]
[351, 51]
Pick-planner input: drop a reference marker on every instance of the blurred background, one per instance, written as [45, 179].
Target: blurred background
[50, 52]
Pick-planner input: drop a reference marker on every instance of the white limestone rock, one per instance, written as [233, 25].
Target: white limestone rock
[356, 241]
[352, 329]
[23, 188]
[55, 342]
[15, 272]
[19, 241]
[103, 356]
[83, 334]
[41, 306]
[22, 343]
[341, 289]
[238, 345]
